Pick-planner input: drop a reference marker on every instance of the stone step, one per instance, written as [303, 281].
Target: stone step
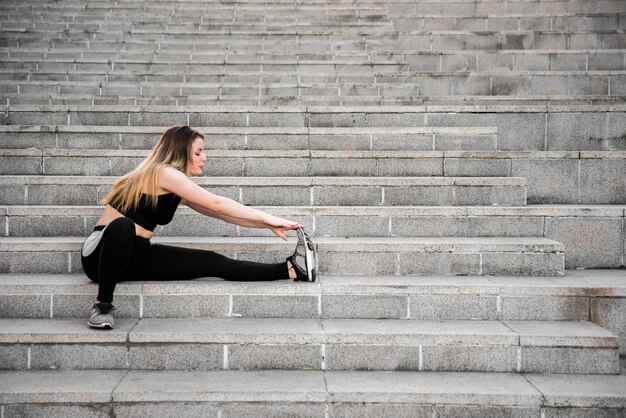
[246, 138]
[519, 256]
[180, 66]
[581, 295]
[278, 191]
[284, 101]
[228, 393]
[519, 127]
[356, 344]
[602, 226]
[552, 83]
[325, 40]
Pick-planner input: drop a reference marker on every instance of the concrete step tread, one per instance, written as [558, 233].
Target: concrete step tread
[420, 110]
[324, 244]
[385, 80]
[313, 387]
[126, 56]
[254, 130]
[606, 283]
[592, 211]
[287, 181]
[308, 331]
[325, 154]
[284, 28]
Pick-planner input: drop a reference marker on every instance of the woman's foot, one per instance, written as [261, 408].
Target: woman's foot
[102, 316]
[303, 261]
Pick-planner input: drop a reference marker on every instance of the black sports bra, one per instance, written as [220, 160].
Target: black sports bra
[148, 216]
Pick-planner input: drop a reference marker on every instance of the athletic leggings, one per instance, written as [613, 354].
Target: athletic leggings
[121, 255]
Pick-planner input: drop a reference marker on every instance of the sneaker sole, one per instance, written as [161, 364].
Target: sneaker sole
[106, 325]
[309, 255]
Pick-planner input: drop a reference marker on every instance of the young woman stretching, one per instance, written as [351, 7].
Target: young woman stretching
[120, 249]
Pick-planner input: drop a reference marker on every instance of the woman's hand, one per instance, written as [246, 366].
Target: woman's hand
[279, 225]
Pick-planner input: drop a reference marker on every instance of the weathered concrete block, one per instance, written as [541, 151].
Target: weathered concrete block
[575, 131]
[505, 226]
[412, 142]
[429, 227]
[98, 118]
[330, 120]
[176, 357]
[609, 313]
[568, 62]
[616, 134]
[184, 306]
[25, 306]
[518, 131]
[13, 357]
[76, 166]
[364, 306]
[549, 181]
[37, 118]
[376, 410]
[358, 263]
[218, 119]
[603, 181]
[250, 409]
[396, 119]
[277, 167]
[589, 242]
[352, 226]
[489, 196]
[91, 356]
[424, 264]
[470, 358]
[544, 308]
[187, 409]
[270, 306]
[494, 62]
[93, 410]
[569, 360]
[277, 119]
[487, 411]
[276, 196]
[339, 142]
[348, 196]
[420, 196]
[361, 167]
[388, 167]
[278, 142]
[62, 195]
[267, 356]
[371, 357]
[465, 143]
[29, 262]
[461, 307]
[576, 412]
[523, 264]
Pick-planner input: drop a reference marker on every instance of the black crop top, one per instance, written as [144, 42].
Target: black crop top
[148, 216]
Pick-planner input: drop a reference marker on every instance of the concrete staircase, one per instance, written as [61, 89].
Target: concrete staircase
[461, 164]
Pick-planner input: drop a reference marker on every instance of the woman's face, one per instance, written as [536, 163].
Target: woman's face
[198, 157]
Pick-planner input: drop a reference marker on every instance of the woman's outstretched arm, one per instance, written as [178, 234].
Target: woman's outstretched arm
[221, 207]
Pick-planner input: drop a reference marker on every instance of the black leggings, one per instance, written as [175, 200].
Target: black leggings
[121, 255]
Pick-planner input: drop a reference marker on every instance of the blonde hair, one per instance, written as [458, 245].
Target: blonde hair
[173, 149]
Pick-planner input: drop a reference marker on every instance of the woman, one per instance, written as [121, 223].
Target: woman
[120, 249]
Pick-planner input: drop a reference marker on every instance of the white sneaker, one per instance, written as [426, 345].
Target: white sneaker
[304, 259]
[102, 316]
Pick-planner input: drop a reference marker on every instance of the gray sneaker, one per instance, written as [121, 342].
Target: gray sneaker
[304, 259]
[102, 316]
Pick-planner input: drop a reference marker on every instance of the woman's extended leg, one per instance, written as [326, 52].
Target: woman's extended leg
[164, 262]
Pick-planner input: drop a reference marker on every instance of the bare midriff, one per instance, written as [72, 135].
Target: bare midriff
[110, 214]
